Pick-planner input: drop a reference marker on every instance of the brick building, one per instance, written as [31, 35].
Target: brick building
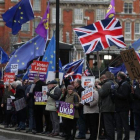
[76, 13]
[27, 32]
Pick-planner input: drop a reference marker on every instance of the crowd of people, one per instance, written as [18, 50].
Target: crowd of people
[114, 99]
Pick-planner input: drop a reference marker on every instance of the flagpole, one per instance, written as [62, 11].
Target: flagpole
[57, 40]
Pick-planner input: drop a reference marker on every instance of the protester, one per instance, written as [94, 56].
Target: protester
[91, 111]
[107, 107]
[81, 121]
[7, 112]
[54, 94]
[1, 96]
[122, 106]
[21, 114]
[136, 110]
[70, 124]
[38, 109]
[30, 105]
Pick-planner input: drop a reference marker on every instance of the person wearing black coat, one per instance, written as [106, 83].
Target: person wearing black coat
[136, 110]
[38, 109]
[122, 106]
[81, 121]
[21, 114]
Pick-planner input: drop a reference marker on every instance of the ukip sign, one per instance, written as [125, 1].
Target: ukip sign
[66, 110]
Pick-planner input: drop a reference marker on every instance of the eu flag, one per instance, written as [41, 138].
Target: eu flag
[4, 58]
[27, 52]
[50, 56]
[18, 15]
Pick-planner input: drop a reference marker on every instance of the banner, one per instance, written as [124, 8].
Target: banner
[20, 104]
[86, 80]
[131, 62]
[87, 95]
[66, 110]
[40, 98]
[14, 68]
[9, 77]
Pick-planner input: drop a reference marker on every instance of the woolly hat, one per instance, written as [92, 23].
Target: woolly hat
[70, 87]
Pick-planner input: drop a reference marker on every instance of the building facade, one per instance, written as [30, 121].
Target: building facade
[75, 13]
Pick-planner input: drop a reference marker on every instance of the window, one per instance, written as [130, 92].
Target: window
[76, 40]
[100, 14]
[127, 27]
[137, 28]
[37, 5]
[26, 26]
[54, 15]
[78, 15]
[128, 8]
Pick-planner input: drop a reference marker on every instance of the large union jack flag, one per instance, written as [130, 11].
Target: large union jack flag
[73, 69]
[101, 35]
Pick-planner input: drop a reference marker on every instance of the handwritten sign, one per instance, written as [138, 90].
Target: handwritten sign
[86, 80]
[66, 110]
[14, 68]
[129, 57]
[87, 95]
[40, 98]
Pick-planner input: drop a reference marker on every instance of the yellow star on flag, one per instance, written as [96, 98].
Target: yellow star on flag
[45, 58]
[15, 21]
[15, 55]
[22, 63]
[51, 56]
[54, 51]
[50, 62]
[21, 13]
[19, 7]
[34, 43]
[37, 48]
[17, 60]
[21, 17]
[52, 67]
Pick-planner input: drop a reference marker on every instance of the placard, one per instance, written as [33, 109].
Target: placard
[20, 104]
[66, 110]
[39, 66]
[87, 95]
[9, 77]
[9, 105]
[131, 62]
[40, 98]
[14, 68]
[86, 80]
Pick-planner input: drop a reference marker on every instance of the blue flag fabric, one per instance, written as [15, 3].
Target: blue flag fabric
[136, 45]
[4, 58]
[26, 75]
[50, 56]
[18, 15]
[115, 70]
[12, 54]
[27, 52]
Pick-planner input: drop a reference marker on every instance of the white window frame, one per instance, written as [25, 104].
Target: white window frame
[136, 29]
[22, 28]
[126, 27]
[100, 14]
[38, 7]
[76, 40]
[128, 8]
[78, 18]
[13, 0]
[54, 15]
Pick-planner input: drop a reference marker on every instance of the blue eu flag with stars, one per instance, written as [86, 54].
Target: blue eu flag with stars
[18, 15]
[27, 52]
[4, 58]
[50, 56]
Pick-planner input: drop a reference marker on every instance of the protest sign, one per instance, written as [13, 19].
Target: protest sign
[40, 98]
[87, 95]
[9, 105]
[66, 110]
[9, 77]
[131, 62]
[39, 66]
[20, 104]
[14, 68]
[86, 80]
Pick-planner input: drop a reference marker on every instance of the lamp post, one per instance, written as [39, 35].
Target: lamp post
[57, 39]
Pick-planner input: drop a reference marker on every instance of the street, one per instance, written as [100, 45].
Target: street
[55, 138]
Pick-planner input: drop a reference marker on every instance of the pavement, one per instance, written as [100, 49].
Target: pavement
[11, 134]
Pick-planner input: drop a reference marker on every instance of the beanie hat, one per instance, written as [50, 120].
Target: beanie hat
[70, 87]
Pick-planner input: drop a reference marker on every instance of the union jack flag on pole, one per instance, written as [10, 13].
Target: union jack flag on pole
[101, 35]
[73, 69]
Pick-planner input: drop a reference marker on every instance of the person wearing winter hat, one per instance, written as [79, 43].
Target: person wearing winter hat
[72, 97]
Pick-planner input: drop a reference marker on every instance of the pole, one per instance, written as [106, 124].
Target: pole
[57, 39]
